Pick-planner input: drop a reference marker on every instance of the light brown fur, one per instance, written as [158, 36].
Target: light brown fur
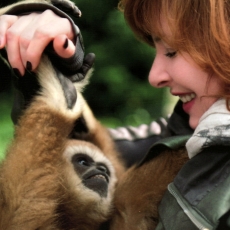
[30, 176]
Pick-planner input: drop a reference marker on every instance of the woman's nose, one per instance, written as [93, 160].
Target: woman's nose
[158, 76]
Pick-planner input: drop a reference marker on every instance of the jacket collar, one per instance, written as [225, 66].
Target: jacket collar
[179, 133]
[172, 143]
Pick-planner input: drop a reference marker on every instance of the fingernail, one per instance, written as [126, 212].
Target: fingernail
[28, 66]
[66, 43]
[17, 72]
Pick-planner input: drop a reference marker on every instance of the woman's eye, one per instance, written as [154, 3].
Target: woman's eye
[171, 54]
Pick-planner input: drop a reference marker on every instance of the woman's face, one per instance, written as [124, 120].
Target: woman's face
[185, 79]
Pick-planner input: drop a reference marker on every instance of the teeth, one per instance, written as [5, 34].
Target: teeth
[188, 97]
[99, 176]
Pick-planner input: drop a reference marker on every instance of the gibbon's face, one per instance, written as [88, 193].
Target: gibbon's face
[90, 173]
[94, 175]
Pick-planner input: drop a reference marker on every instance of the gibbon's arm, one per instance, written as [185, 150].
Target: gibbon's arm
[92, 125]
[75, 67]
[29, 176]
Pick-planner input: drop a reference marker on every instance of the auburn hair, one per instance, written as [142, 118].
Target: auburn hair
[199, 27]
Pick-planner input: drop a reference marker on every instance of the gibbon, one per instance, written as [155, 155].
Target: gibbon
[48, 181]
[141, 189]
[49, 178]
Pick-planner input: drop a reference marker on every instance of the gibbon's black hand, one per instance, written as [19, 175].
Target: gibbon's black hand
[76, 67]
[68, 66]
[86, 66]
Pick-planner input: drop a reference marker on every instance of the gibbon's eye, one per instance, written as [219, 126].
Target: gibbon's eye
[171, 54]
[83, 161]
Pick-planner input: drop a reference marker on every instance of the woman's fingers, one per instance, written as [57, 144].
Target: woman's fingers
[63, 46]
[49, 26]
[5, 23]
[27, 36]
[18, 37]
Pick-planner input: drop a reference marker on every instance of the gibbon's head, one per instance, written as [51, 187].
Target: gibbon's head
[90, 175]
[94, 175]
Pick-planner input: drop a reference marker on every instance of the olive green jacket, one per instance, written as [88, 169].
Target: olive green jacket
[199, 196]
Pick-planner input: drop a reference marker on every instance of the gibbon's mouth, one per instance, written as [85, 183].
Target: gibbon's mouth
[98, 182]
[99, 176]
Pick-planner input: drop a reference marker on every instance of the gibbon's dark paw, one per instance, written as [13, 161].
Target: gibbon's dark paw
[86, 66]
[68, 66]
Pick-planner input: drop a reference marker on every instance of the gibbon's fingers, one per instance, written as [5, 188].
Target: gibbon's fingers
[5, 23]
[63, 46]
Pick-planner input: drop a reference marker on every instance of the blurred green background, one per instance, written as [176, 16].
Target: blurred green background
[119, 92]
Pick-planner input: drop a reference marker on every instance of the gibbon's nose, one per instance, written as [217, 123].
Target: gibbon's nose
[102, 168]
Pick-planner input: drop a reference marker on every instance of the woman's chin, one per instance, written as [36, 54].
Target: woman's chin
[193, 122]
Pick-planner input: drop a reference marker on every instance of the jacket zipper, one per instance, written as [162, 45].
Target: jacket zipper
[173, 190]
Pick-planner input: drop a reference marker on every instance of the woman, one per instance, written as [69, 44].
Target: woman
[192, 45]
[192, 58]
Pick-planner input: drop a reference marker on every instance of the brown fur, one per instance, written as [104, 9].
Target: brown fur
[141, 189]
[29, 178]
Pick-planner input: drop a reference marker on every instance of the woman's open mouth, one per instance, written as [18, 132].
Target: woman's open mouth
[187, 97]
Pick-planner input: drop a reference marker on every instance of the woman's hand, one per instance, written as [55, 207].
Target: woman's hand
[26, 37]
